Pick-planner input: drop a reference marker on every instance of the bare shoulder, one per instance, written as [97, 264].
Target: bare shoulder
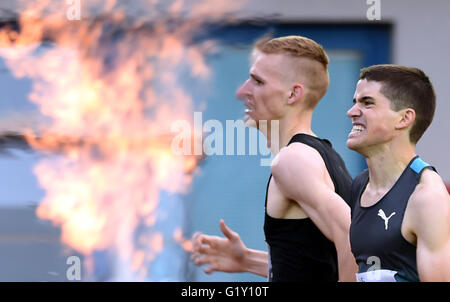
[298, 171]
[429, 204]
[430, 191]
[297, 157]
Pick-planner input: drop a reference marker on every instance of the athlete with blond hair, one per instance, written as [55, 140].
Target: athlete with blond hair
[307, 218]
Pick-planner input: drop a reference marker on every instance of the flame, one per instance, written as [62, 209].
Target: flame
[110, 87]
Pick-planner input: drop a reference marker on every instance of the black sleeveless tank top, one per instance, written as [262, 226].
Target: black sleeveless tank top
[298, 251]
[381, 251]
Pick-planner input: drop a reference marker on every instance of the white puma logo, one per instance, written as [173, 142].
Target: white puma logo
[386, 219]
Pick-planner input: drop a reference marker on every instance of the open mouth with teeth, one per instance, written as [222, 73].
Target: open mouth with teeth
[356, 130]
[248, 109]
[247, 118]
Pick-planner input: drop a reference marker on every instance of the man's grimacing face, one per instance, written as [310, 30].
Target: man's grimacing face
[372, 117]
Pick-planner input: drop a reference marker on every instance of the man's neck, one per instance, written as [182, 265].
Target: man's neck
[287, 128]
[387, 164]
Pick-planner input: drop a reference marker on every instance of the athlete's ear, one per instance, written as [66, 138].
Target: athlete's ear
[407, 118]
[296, 93]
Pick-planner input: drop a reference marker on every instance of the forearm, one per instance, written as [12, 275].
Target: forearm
[346, 261]
[256, 262]
[347, 267]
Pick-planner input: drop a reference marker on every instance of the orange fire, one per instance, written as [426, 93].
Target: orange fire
[111, 87]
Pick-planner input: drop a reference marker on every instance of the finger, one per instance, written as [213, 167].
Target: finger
[195, 256]
[196, 235]
[205, 249]
[196, 260]
[197, 241]
[196, 238]
[202, 250]
[202, 260]
[207, 239]
[230, 234]
[209, 270]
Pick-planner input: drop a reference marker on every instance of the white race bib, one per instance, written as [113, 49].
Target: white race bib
[380, 275]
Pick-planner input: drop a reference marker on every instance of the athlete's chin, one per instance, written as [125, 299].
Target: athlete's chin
[249, 122]
[352, 144]
[357, 147]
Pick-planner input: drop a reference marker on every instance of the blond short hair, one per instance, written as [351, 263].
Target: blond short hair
[311, 57]
[296, 46]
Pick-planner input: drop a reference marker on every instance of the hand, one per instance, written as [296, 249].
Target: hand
[222, 254]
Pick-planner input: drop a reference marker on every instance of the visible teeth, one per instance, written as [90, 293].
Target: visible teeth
[247, 110]
[357, 128]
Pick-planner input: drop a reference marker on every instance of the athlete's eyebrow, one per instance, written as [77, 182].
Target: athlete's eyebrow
[364, 98]
[255, 77]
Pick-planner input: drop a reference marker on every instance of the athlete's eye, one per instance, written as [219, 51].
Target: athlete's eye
[258, 82]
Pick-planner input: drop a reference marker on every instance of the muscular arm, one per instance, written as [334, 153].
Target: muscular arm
[299, 173]
[228, 254]
[430, 219]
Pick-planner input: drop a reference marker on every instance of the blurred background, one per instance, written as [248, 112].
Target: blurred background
[37, 229]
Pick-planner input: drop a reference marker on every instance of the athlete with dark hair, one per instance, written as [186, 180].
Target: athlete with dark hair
[400, 229]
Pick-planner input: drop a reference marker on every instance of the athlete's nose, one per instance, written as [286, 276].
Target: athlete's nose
[354, 111]
[243, 91]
